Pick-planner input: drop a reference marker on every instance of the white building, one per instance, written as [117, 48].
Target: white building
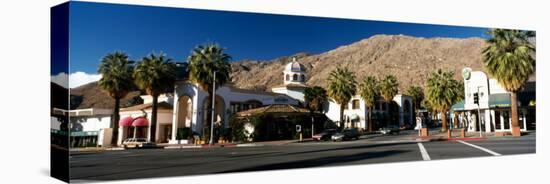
[187, 106]
[494, 104]
[356, 112]
[294, 77]
[86, 126]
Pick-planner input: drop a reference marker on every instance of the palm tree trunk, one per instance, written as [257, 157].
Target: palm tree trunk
[390, 114]
[154, 119]
[514, 109]
[208, 113]
[312, 124]
[443, 121]
[342, 116]
[369, 125]
[116, 117]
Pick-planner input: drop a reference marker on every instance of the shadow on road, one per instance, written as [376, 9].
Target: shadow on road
[344, 147]
[319, 161]
[174, 169]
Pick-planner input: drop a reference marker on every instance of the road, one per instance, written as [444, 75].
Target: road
[133, 164]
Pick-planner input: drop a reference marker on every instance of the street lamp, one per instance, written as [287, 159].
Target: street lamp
[478, 112]
[213, 110]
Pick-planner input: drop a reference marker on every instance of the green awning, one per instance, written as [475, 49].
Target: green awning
[84, 134]
[499, 100]
[458, 106]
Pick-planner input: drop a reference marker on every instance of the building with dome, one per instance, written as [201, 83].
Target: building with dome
[294, 77]
[187, 106]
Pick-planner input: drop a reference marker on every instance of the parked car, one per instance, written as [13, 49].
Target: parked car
[346, 134]
[325, 135]
[137, 143]
[392, 129]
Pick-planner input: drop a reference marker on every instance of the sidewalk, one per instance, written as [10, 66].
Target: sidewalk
[95, 149]
[252, 144]
[436, 135]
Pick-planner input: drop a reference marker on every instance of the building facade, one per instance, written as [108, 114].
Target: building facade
[492, 113]
[356, 112]
[86, 126]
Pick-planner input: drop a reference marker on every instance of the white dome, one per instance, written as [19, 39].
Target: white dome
[294, 66]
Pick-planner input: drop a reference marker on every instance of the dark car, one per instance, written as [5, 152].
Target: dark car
[346, 134]
[390, 130]
[325, 135]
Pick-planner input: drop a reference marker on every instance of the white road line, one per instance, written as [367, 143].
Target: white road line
[423, 151]
[480, 148]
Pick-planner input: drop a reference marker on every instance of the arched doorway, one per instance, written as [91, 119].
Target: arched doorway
[219, 114]
[185, 112]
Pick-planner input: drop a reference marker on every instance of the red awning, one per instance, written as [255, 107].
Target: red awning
[127, 121]
[140, 121]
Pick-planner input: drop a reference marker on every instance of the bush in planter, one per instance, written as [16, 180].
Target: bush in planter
[182, 133]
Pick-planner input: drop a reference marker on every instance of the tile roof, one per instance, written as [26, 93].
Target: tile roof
[274, 108]
[161, 105]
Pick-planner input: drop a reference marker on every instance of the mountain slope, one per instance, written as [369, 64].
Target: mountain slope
[410, 59]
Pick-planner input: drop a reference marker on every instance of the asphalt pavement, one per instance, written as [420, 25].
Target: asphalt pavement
[134, 164]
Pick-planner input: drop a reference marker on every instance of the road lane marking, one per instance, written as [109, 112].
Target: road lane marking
[425, 155]
[480, 148]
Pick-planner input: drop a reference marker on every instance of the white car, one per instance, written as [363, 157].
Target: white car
[137, 143]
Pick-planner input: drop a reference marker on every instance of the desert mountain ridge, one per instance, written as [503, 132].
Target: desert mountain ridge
[410, 59]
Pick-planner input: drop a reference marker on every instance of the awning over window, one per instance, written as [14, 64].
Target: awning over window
[458, 106]
[500, 100]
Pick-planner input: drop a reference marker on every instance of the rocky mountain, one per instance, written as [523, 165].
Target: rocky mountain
[410, 59]
[91, 96]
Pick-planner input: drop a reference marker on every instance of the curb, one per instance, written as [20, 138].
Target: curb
[213, 146]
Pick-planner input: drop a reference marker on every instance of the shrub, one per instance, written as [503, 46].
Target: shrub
[237, 130]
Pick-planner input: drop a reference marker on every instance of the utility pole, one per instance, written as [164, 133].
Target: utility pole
[213, 109]
[476, 100]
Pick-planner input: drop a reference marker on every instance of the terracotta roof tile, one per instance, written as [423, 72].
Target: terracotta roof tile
[161, 105]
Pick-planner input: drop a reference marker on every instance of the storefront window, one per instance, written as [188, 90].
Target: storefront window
[497, 121]
[506, 120]
[355, 104]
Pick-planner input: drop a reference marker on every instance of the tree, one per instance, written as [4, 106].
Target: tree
[203, 62]
[508, 57]
[155, 74]
[442, 91]
[341, 87]
[116, 80]
[369, 90]
[389, 87]
[417, 95]
[315, 98]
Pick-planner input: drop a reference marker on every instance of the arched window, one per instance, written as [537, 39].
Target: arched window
[287, 77]
[295, 77]
[302, 78]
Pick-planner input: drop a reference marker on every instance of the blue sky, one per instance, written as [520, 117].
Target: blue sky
[97, 29]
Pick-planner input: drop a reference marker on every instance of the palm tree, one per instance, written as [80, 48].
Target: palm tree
[155, 74]
[508, 57]
[314, 97]
[442, 91]
[389, 87]
[417, 95]
[203, 62]
[341, 87]
[116, 80]
[370, 92]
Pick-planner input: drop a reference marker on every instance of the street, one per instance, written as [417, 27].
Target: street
[133, 164]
